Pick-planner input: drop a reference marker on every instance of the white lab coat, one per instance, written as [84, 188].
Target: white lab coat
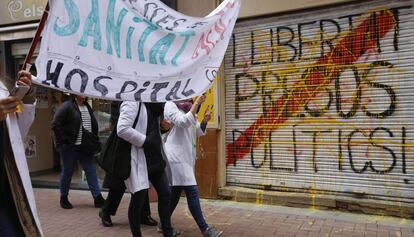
[181, 145]
[22, 122]
[27, 116]
[138, 179]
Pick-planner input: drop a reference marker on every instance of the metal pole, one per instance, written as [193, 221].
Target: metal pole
[36, 38]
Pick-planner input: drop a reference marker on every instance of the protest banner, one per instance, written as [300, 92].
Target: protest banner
[132, 50]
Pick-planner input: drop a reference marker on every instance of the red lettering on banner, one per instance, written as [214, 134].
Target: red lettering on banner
[214, 35]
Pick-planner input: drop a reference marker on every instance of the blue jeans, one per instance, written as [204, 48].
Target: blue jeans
[69, 158]
[193, 201]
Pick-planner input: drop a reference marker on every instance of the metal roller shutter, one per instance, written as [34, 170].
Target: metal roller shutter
[19, 50]
[321, 101]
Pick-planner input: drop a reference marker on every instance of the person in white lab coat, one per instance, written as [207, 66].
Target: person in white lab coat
[181, 153]
[17, 208]
[137, 183]
[147, 162]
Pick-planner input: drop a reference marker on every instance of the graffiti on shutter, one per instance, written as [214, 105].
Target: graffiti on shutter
[323, 101]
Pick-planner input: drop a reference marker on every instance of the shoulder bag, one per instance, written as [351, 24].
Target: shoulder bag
[115, 157]
[90, 142]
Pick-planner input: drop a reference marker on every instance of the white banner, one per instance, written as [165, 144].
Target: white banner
[132, 50]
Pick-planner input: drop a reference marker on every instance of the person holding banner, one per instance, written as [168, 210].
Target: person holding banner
[73, 115]
[147, 148]
[18, 216]
[181, 153]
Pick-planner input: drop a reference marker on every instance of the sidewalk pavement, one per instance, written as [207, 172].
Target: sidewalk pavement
[236, 219]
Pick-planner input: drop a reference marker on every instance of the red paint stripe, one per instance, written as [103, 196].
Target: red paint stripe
[347, 51]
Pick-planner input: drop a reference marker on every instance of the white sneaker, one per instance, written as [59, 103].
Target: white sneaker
[212, 232]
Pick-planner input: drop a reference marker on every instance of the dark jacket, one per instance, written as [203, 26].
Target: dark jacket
[153, 146]
[115, 110]
[114, 183]
[67, 121]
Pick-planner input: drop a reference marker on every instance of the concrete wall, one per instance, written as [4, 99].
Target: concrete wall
[252, 7]
[42, 131]
[262, 7]
[197, 8]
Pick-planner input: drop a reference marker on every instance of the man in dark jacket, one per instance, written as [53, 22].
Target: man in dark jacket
[67, 127]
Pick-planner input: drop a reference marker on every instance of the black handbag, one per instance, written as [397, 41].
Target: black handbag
[115, 157]
[90, 142]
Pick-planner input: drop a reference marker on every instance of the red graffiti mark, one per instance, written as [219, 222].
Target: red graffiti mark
[346, 52]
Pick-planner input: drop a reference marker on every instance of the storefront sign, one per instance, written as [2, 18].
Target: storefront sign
[132, 50]
[19, 11]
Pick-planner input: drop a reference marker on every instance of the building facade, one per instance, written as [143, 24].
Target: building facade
[18, 22]
[312, 106]
[318, 105]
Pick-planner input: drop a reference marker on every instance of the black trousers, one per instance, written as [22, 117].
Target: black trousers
[9, 219]
[135, 206]
[161, 185]
[114, 199]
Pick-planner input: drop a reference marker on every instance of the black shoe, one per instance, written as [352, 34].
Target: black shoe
[106, 219]
[149, 221]
[173, 234]
[64, 203]
[99, 201]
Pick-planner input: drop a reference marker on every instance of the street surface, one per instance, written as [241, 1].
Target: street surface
[236, 219]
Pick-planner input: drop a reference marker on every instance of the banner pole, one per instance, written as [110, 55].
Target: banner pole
[36, 38]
